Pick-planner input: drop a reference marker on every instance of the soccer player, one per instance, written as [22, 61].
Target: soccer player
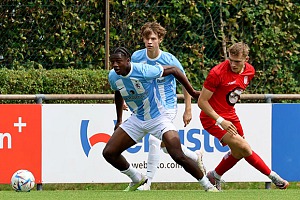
[221, 91]
[153, 34]
[136, 84]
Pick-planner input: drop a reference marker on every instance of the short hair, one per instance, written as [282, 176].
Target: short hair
[123, 51]
[154, 27]
[239, 48]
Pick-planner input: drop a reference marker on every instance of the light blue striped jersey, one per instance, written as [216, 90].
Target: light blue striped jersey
[167, 84]
[139, 89]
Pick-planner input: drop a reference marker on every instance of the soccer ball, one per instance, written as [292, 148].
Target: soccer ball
[22, 181]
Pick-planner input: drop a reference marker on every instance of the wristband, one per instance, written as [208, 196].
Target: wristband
[219, 120]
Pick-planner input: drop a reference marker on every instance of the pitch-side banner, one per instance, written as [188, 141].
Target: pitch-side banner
[20, 140]
[73, 137]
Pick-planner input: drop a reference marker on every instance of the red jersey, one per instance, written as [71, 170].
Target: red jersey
[227, 87]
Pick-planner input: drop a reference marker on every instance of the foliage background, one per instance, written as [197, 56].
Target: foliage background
[56, 39]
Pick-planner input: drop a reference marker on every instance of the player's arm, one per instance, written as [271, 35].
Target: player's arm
[203, 103]
[119, 102]
[187, 115]
[177, 73]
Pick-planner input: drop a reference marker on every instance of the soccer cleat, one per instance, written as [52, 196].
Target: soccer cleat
[213, 180]
[144, 187]
[133, 186]
[200, 162]
[278, 181]
[212, 189]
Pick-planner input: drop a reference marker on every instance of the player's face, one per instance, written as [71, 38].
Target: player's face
[152, 42]
[237, 63]
[120, 63]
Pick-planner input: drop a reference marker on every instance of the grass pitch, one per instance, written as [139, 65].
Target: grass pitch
[244, 194]
[190, 191]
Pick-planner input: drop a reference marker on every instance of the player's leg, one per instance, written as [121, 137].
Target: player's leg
[197, 157]
[152, 162]
[172, 142]
[119, 142]
[228, 161]
[255, 160]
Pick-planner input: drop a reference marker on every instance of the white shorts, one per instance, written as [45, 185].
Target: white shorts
[137, 128]
[171, 113]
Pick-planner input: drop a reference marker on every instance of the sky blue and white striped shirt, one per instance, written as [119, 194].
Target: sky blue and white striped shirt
[167, 84]
[139, 89]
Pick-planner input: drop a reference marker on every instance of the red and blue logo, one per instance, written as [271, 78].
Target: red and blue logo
[190, 136]
[88, 143]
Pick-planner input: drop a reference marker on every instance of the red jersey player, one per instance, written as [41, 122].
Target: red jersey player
[221, 90]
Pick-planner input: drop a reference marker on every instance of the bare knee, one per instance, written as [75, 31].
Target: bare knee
[108, 153]
[243, 150]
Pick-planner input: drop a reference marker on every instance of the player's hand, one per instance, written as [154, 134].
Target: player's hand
[187, 117]
[196, 94]
[229, 127]
[125, 107]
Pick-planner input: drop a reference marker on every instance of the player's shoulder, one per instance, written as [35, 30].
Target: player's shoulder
[112, 75]
[137, 66]
[169, 58]
[111, 72]
[138, 53]
[168, 55]
[249, 68]
[221, 67]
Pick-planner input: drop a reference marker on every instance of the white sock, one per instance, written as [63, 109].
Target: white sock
[133, 174]
[165, 150]
[272, 174]
[216, 175]
[153, 158]
[191, 154]
[204, 182]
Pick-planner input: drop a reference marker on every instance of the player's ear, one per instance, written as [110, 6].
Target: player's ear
[247, 58]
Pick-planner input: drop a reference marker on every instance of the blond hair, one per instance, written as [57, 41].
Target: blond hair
[238, 49]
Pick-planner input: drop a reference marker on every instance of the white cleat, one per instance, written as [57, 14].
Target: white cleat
[213, 180]
[133, 186]
[200, 162]
[278, 181]
[144, 187]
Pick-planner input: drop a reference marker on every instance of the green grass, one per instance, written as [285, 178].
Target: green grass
[244, 194]
[232, 191]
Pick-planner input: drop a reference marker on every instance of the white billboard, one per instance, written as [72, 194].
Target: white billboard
[74, 135]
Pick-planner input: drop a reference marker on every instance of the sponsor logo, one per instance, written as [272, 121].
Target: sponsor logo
[88, 143]
[20, 140]
[231, 83]
[190, 138]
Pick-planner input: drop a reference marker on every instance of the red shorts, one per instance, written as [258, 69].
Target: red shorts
[219, 133]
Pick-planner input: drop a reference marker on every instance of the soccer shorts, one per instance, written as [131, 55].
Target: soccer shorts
[219, 133]
[137, 128]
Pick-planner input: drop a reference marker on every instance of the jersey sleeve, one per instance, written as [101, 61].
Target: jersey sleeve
[112, 81]
[177, 64]
[212, 81]
[134, 57]
[152, 71]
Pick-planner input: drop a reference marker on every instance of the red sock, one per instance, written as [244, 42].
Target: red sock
[258, 163]
[226, 164]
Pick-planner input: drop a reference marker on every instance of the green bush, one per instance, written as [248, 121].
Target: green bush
[71, 35]
[56, 81]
